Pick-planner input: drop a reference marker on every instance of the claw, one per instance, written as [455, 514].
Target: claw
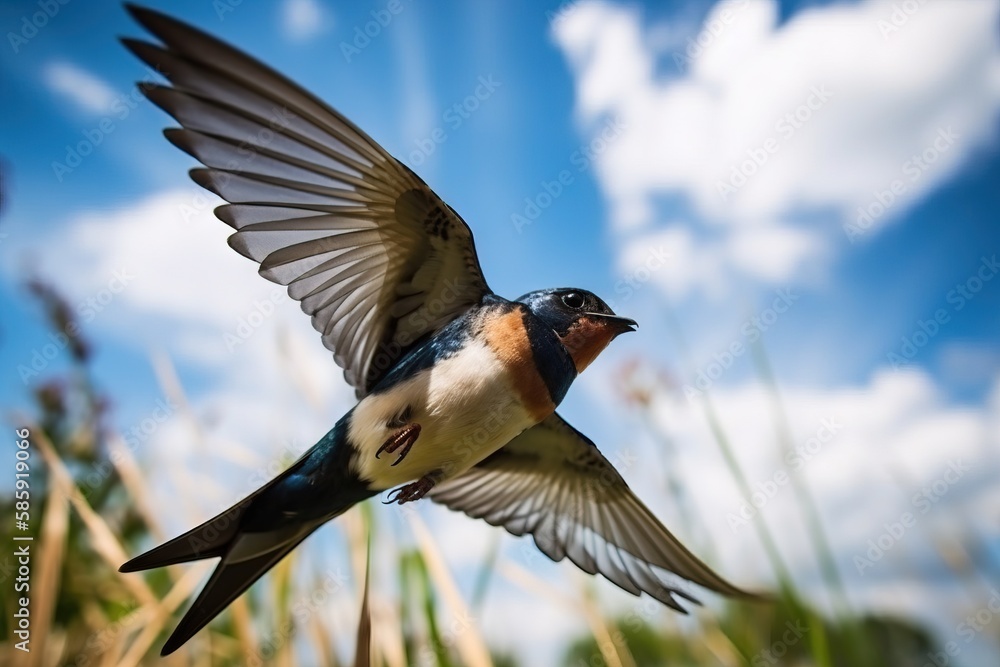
[403, 438]
[412, 491]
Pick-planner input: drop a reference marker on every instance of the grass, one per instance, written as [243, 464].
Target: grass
[95, 511]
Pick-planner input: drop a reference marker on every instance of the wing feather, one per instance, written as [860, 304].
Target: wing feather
[553, 482]
[376, 259]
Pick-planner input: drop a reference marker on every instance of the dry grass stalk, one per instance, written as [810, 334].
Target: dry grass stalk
[536, 586]
[469, 643]
[51, 550]
[157, 615]
[102, 538]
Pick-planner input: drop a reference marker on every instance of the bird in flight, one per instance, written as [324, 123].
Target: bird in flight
[457, 387]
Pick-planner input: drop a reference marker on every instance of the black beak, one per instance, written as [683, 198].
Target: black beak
[620, 324]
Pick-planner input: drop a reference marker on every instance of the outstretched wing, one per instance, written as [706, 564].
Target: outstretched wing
[551, 481]
[372, 254]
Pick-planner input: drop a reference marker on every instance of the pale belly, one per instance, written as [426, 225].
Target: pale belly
[467, 408]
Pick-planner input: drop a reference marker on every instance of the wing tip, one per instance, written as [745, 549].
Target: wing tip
[140, 48]
[148, 18]
[137, 11]
[161, 95]
[752, 596]
[129, 566]
[206, 178]
[155, 21]
[239, 243]
[181, 138]
[177, 639]
[142, 562]
[227, 215]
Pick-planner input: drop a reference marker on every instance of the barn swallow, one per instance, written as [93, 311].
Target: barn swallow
[457, 387]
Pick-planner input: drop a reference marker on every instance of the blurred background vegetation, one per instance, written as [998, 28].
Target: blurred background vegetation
[90, 512]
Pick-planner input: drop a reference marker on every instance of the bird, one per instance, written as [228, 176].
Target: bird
[456, 386]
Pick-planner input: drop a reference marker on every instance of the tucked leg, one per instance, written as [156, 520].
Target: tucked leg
[402, 440]
[412, 491]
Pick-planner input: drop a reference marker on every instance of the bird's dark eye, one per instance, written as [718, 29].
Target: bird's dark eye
[573, 300]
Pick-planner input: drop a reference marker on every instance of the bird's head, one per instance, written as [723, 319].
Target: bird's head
[583, 322]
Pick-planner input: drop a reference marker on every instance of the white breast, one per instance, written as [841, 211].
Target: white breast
[467, 409]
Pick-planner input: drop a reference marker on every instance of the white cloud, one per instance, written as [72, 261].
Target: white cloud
[770, 253]
[82, 88]
[303, 19]
[689, 262]
[764, 123]
[709, 262]
[159, 274]
[173, 252]
[868, 453]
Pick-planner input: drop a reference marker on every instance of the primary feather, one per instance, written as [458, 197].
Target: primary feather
[376, 259]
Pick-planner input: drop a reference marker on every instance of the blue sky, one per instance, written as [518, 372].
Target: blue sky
[822, 108]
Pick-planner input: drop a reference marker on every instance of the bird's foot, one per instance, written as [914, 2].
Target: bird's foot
[412, 491]
[402, 439]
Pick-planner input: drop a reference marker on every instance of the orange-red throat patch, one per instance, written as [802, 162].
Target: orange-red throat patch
[508, 338]
[586, 339]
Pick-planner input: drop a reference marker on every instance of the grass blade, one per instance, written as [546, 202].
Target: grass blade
[468, 642]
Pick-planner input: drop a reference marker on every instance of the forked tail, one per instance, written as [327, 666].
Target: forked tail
[254, 534]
